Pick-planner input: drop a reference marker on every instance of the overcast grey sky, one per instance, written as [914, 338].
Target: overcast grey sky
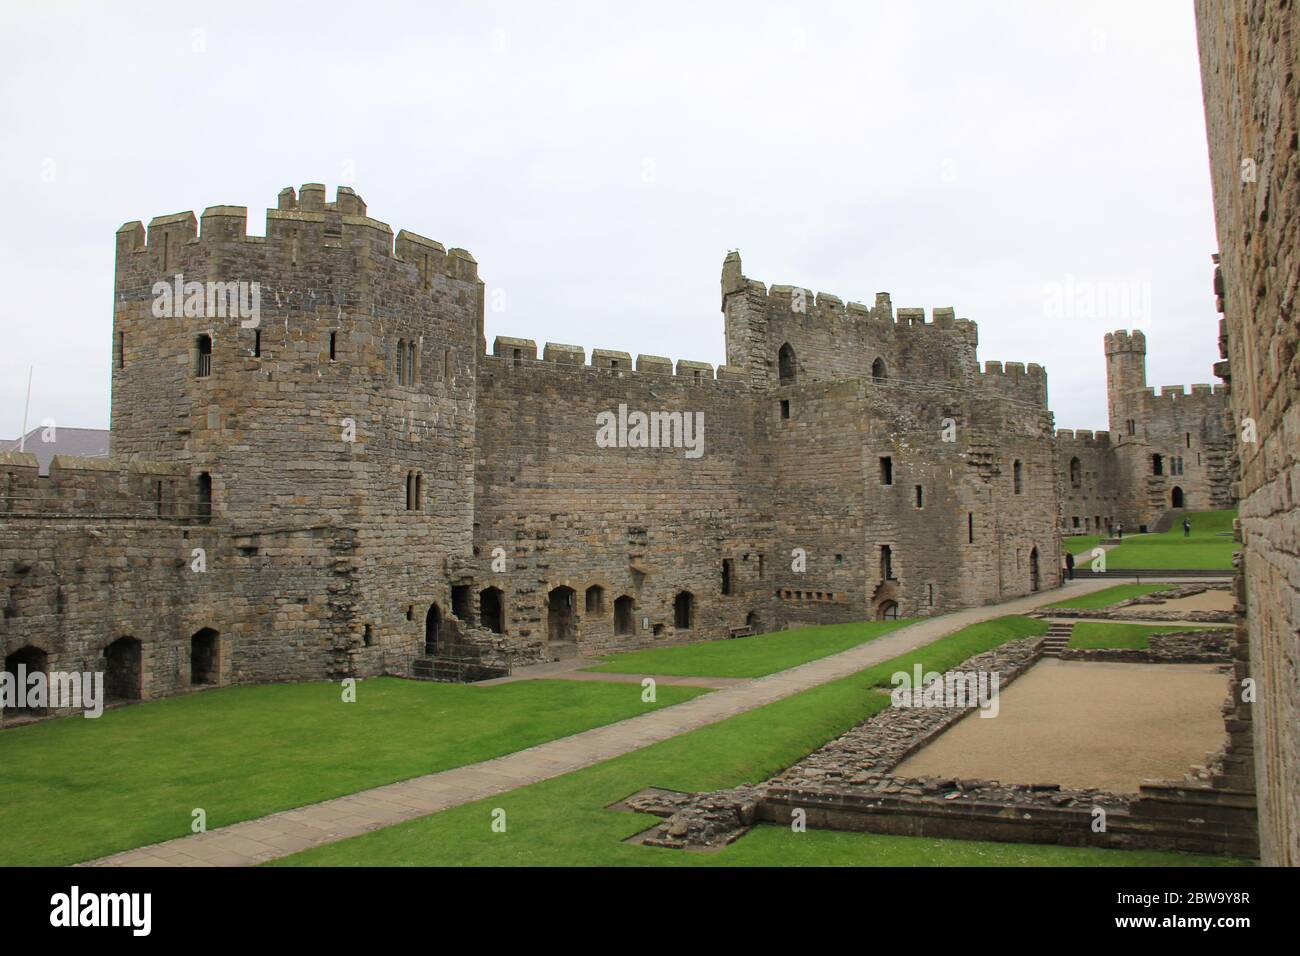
[600, 159]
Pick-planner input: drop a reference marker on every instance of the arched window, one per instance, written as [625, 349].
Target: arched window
[1076, 472]
[786, 364]
[203, 365]
[1017, 482]
[878, 371]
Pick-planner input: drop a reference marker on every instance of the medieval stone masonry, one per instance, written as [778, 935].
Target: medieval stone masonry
[1250, 58]
[318, 469]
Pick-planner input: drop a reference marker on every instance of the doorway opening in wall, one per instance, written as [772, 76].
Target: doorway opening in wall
[595, 600]
[1033, 570]
[122, 669]
[204, 657]
[432, 630]
[684, 610]
[559, 615]
[1177, 499]
[751, 621]
[35, 661]
[887, 611]
[490, 611]
[624, 615]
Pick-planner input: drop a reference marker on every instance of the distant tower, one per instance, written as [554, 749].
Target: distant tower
[1126, 373]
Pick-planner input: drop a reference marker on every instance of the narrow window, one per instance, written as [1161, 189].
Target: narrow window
[878, 371]
[785, 364]
[121, 350]
[595, 600]
[401, 361]
[1016, 481]
[257, 343]
[419, 491]
[728, 576]
[1189, 439]
[461, 602]
[886, 470]
[785, 408]
[886, 562]
[1076, 472]
[334, 343]
[839, 559]
[519, 357]
[970, 527]
[1157, 465]
[205, 496]
[760, 565]
[920, 497]
[931, 587]
[204, 367]
[368, 637]
[447, 367]
[411, 363]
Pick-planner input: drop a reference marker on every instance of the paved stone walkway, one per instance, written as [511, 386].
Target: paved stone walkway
[280, 834]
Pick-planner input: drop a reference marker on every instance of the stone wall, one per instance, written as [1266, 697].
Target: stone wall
[1250, 57]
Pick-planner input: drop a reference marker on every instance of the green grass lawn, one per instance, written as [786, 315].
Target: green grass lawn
[1109, 596]
[1121, 634]
[1204, 549]
[1077, 544]
[75, 789]
[747, 656]
[562, 821]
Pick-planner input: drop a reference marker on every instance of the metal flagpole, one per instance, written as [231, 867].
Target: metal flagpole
[22, 439]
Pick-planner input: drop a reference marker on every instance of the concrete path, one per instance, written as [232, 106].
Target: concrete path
[280, 834]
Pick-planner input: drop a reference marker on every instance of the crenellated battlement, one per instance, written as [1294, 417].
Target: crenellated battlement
[1083, 437]
[99, 487]
[300, 222]
[1124, 341]
[1025, 383]
[522, 353]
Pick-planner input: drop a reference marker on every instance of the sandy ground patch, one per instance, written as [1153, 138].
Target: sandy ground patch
[1205, 601]
[1087, 724]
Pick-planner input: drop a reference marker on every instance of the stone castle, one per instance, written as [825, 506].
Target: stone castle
[350, 484]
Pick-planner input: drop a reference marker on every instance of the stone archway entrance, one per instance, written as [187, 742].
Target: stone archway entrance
[205, 657]
[490, 610]
[1177, 498]
[561, 625]
[33, 660]
[122, 672]
[887, 611]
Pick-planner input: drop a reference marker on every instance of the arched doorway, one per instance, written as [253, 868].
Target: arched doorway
[122, 674]
[1033, 570]
[887, 611]
[684, 610]
[432, 630]
[32, 660]
[489, 610]
[624, 620]
[205, 657]
[560, 625]
[878, 373]
[785, 364]
[751, 621]
[1177, 499]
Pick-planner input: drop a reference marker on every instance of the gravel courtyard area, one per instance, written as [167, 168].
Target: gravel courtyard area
[1205, 601]
[1087, 724]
